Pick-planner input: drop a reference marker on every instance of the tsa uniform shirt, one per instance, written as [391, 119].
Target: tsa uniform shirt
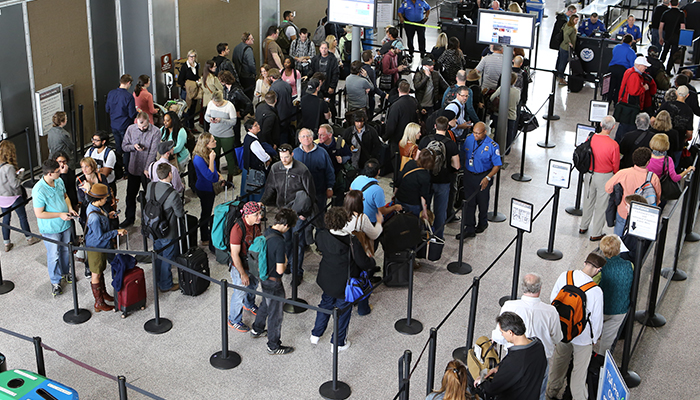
[414, 12]
[634, 31]
[587, 27]
[481, 157]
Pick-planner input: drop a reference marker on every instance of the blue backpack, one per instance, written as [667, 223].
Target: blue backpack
[257, 256]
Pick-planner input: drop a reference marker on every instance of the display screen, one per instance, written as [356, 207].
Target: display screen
[352, 12]
[506, 28]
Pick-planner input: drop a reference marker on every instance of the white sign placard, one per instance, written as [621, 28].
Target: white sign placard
[521, 215]
[559, 174]
[48, 101]
[643, 220]
[385, 15]
[582, 132]
[598, 110]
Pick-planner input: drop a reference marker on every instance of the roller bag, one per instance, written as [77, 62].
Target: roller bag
[193, 223]
[403, 231]
[396, 267]
[132, 295]
[21, 384]
[575, 83]
[195, 259]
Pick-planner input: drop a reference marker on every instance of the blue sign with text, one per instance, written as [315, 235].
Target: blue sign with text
[611, 386]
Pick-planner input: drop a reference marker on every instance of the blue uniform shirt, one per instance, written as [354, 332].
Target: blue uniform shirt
[623, 54]
[587, 27]
[634, 31]
[414, 12]
[483, 156]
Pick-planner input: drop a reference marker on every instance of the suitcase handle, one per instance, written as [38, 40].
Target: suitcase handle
[127, 241]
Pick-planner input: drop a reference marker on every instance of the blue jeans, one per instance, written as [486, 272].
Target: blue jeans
[655, 38]
[543, 390]
[441, 191]
[562, 60]
[57, 257]
[21, 213]
[619, 225]
[289, 244]
[271, 310]
[415, 209]
[239, 297]
[329, 303]
[167, 248]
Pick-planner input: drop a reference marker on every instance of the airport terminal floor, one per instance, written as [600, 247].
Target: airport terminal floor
[175, 365]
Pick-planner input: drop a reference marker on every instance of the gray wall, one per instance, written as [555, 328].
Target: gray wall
[165, 41]
[136, 39]
[105, 53]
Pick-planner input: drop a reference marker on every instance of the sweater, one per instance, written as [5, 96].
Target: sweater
[656, 165]
[319, 165]
[144, 102]
[205, 176]
[59, 140]
[179, 148]
[9, 183]
[520, 373]
[616, 283]
[139, 160]
[227, 114]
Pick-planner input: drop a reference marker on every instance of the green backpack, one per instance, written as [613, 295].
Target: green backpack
[257, 256]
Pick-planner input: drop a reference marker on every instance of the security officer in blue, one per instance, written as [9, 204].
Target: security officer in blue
[416, 11]
[483, 160]
[591, 25]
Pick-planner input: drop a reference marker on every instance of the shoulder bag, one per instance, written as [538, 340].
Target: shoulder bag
[670, 190]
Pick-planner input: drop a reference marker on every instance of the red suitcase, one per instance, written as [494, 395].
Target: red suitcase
[132, 296]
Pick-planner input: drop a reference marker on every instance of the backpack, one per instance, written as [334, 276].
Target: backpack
[155, 221]
[558, 32]
[583, 156]
[647, 190]
[225, 215]
[319, 34]
[571, 306]
[118, 162]
[347, 49]
[450, 95]
[257, 256]
[438, 149]
[282, 40]
[485, 360]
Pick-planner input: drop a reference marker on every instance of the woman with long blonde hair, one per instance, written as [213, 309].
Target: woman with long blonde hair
[454, 383]
[408, 145]
[205, 167]
[11, 193]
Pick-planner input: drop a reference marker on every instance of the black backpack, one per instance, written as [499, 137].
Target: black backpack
[118, 163]
[583, 156]
[155, 222]
[558, 32]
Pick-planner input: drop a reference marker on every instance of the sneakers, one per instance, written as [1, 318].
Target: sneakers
[481, 228]
[56, 289]
[280, 350]
[314, 339]
[253, 309]
[33, 240]
[341, 348]
[239, 326]
[67, 278]
[8, 247]
[256, 335]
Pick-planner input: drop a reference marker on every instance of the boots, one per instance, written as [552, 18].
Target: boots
[105, 295]
[100, 304]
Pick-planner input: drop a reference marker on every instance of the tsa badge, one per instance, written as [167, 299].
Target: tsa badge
[498, 152]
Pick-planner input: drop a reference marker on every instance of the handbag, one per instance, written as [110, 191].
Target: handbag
[670, 190]
[359, 288]
[385, 82]
[625, 113]
[218, 187]
[254, 180]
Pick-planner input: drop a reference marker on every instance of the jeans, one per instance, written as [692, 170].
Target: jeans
[21, 213]
[133, 185]
[329, 303]
[271, 310]
[239, 297]
[441, 191]
[472, 184]
[543, 389]
[655, 38]
[226, 144]
[410, 30]
[562, 60]
[619, 225]
[206, 199]
[57, 257]
[118, 139]
[289, 247]
[414, 209]
[167, 248]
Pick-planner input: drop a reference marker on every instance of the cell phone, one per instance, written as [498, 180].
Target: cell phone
[20, 171]
[117, 212]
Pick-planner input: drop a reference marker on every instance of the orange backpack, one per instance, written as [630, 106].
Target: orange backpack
[571, 306]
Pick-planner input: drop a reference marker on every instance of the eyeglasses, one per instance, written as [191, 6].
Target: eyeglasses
[192, 56]
[96, 139]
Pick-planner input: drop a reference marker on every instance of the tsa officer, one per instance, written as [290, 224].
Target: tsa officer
[592, 24]
[632, 29]
[483, 160]
[414, 11]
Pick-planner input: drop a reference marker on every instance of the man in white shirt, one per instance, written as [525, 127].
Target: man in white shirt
[541, 319]
[104, 157]
[581, 346]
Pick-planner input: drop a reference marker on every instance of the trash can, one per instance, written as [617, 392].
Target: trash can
[3, 363]
[537, 8]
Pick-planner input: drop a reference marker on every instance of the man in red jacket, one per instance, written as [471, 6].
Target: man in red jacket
[637, 89]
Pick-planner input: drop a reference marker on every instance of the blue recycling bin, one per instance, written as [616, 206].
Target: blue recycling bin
[537, 8]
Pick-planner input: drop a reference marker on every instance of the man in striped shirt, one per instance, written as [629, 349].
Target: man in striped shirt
[490, 68]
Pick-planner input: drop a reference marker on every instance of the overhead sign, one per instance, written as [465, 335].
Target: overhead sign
[506, 28]
[48, 101]
[611, 385]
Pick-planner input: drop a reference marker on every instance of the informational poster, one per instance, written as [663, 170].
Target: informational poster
[48, 101]
[559, 174]
[352, 12]
[166, 62]
[598, 110]
[643, 220]
[582, 133]
[512, 29]
[385, 15]
[521, 215]
[611, 385]
[605, 87]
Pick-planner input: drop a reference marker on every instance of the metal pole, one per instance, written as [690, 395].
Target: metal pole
[409, 326]
[432, 349]
[506, 70]
[631, 378]
[404, 372]
[674, 273]
[356, 44]
[157, 325]
[650, 317]
[335, 389]
[122, 387]
[496, 216]
[516, 269]
[81, 130]
[39, 354]
[550, 253]
[546, 143]
[550, 116]
[691, 236]
[576, 209]
[291, 308]
[29, 184]
[459, 267]
[97, 116]
[76, 315]
[521, 177]
[224, 359]
[5, 286]
[460, 353]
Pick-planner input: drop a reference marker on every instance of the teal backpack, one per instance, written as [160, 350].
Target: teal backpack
[257, 257]
[225, 215]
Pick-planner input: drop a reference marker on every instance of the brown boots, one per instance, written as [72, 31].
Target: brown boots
[100, 304]
[105, 295]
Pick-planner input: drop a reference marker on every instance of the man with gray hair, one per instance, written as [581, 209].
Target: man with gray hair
[635, 139]
[541, 319]
[681, 116]
[606, 153]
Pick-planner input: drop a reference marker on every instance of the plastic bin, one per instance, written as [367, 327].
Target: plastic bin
[537, 8]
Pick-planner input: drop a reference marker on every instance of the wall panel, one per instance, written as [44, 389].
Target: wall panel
[308, 12]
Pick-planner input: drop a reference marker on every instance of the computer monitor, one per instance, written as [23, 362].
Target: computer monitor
[506, 28]
[353, 12]
[582, 133]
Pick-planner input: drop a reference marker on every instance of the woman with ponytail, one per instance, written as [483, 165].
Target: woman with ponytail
[144, 99]
[454, 383]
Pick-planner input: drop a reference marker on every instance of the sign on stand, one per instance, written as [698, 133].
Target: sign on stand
[521, 215]
[48, 101]
[643, 220]
[611, 385]
[598, 110]
[559, 174]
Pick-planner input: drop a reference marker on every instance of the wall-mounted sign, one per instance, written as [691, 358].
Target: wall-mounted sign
[166, 62]
[48, 101]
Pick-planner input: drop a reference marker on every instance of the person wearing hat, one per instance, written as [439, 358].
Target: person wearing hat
[636, 90]
[98, 234]
[429, 86]
[314, 109]
[473, 82]
[581, 346]
[591, 25]
[165, 149]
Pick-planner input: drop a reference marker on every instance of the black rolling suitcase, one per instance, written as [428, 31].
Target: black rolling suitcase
[191, 239]
[397, 267]
[194, 258]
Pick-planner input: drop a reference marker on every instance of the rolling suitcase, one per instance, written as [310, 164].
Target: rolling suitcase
[191, 234]
[396, 267]
[196, 259]
[132, 295]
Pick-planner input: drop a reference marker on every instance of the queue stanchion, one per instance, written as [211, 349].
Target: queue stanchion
[29, 184]
[516, 269]
[39, 355]
[5, 286]
[550, 116]
[96, 115]
[631, 378]
[691, 236]
[495, 216]
[335, 389]
[521, 176]
[408, 325]
[576, 210]
[459, 267]
[432, 350]
[224, 359]
[121, 379]
[550, 253]
[462, 353]
[650, 317]
[76, 315]
[156, 325]
[81, 132]
[405, 374]
[673, 272]
[291, 308]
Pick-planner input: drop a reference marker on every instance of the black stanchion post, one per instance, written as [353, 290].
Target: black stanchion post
[97, 116]
[76, 315]
[291, 308]
[5, 286]
[335, 389]
[495, 216]
[550, 116]
[516, 269]
[461, 353]
[29, 184]
[122, 387]
[409, 326]
[631, 378]
[521, 177]
[546, 144]
[39, 354]
[550, 253]
[404, 372]
[156, 325]
[691, 236]
[224, 359]
[81, 132]
[674, 273]
[432, 349]
[576, 210]
[458, 267]
[650, 317]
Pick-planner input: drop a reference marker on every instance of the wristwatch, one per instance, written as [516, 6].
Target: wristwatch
[488, 178]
